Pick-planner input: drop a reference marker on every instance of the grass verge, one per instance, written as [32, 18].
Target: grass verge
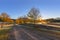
[4, 34]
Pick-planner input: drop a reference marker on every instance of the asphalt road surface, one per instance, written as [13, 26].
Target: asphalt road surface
[20, 32]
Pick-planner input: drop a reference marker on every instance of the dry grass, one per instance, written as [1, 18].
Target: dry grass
[4, 37]
[4, 34]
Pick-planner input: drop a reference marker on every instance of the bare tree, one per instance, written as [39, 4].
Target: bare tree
[33, 14]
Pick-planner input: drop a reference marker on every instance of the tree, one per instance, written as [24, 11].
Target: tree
[0, 19]
[17, 21]
[33, 14]
[5, 17]
[22, 20]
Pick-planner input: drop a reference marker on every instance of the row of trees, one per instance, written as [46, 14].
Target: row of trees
[52, 20]
[33, 16]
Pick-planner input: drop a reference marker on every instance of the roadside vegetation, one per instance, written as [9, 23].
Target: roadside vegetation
[4, 34]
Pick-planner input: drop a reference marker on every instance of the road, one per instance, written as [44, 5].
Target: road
[22, 33]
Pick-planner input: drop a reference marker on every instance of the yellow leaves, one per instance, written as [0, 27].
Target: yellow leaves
[6, 19]
[26, 20]
[17, 21]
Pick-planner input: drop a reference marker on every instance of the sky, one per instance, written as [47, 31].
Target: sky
[18, 8]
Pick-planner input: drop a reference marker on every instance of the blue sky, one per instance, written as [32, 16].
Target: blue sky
[17, 8]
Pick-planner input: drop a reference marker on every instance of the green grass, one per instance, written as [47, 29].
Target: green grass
[4, 34]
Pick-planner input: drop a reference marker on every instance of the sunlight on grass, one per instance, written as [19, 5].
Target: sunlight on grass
[4, 33]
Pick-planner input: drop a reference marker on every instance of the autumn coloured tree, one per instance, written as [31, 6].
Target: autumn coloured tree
[5, 17]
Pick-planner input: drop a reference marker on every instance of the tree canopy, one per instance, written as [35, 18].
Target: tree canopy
[33, 13]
